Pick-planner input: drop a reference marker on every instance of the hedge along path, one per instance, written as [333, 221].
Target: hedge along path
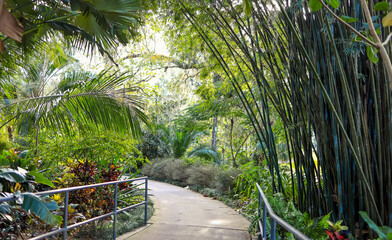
[183, 214]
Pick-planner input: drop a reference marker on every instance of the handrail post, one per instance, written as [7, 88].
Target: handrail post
[115, 211]
[146, 201]
[259, 237]
[264, 221]
[273, 229]
[66, 215]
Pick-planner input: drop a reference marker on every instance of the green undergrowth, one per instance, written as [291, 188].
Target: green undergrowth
[126, 222]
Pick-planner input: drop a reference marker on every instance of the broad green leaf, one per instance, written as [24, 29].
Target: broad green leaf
[40, 178]
[371, 53]
[5, 208]
[12, 175]
[52, 205]
[315, 5]
[348, 19]
[389, 236]
[32, 203]
[381, 6]
[372, 225]
[387, 20]
[333, 3]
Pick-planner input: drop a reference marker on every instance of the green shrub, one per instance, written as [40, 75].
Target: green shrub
[175, 169]
[193, 172]
[202, 175]
[225, 179]
[210, 192]
[158, 169]
[54, 149]
[153, 146]
[146, 171]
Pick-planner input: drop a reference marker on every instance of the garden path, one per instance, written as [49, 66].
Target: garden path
[184, 214]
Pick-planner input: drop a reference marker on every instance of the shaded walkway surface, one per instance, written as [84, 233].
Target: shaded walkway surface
[186, 215]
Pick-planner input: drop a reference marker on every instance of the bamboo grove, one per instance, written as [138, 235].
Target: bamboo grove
[332, 100]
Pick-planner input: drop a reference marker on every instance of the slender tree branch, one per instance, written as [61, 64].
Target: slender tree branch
[387, 40]
[379, 44]
[367, 40]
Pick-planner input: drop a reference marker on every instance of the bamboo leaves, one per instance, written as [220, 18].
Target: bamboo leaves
[381, 6]
[348, 19]
[315, 5]
[371, 53]
[333, 3]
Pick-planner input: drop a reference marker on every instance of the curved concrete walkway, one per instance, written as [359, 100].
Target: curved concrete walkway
[183, 214]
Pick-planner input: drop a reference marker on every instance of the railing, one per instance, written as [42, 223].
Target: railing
[264, 204]
[65, 228]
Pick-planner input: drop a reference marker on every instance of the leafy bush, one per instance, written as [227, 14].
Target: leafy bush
[93, 201]
[55, 149]
[193, 171]
[225, 179]
[158, 169]
[202, 175]
[175, 169]
[27, 211]
[153, 146]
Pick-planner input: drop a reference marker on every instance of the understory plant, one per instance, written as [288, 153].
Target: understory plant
[26, 211]
[55, 149]
[383, 232]
[92, 202]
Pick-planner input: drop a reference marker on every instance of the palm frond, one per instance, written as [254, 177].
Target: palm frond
[206, 153]
[103, 100]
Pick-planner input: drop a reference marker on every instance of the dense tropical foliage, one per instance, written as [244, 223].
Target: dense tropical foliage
[218, 95]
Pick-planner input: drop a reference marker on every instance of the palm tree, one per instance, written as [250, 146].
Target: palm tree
[84, 25]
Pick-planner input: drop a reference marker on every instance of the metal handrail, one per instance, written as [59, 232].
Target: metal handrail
[65, 228]
[264, 204]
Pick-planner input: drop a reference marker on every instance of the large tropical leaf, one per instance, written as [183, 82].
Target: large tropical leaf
[40, 178]
[42, 209]
[12, 175]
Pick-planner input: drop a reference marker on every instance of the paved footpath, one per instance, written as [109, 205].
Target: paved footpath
[181, 214]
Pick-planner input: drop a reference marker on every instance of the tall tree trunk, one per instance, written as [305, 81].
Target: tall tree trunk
[214, 133]
[36, 141]
[233, 157]
[214, 140]
[10, 133]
